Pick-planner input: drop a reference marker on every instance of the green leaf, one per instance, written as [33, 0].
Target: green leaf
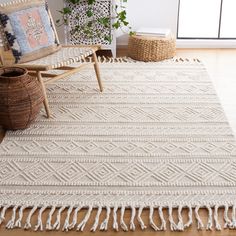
[86, 28]
[89, 13]
[90, 2]
[116, 25]
[108, 38]
[105, 21]
[131, 33]
[122, 15]
[125, 23]
[90, 24]
[66, 10]
[73, 1]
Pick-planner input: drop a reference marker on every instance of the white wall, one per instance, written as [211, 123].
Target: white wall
[141, 13]
[151, 13]
[148, 13]
[55, 6]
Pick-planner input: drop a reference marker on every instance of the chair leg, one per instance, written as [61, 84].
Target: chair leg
[45, 102]
[97, 70]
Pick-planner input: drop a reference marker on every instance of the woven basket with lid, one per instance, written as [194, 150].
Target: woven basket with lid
[144, 48]
[21, 98]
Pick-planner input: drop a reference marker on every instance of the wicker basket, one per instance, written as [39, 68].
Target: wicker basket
[21, 98]
[143, 48]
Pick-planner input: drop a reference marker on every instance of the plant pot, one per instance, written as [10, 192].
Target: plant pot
[21, 98]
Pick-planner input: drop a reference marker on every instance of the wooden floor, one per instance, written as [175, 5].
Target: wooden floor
[221, 64]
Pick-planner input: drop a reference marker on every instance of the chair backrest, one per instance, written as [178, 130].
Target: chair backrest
[6, 56]
[5, 51]
[3, 40]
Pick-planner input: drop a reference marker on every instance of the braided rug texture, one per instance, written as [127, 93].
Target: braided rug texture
[157, 137]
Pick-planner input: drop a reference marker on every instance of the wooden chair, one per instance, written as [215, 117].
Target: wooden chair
[60, 60]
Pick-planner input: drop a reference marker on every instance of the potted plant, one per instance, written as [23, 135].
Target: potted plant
[88, 21]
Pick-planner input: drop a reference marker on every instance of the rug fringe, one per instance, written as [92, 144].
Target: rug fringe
[122, 222]
[104, 59]
[233, 223]
[96, 221]
[139, 218]
[83, 223]
[104, 224]
[28, 220]
[115, 222]
[190, 217]
[213, 222]
[67, 224]
[3, 212]
[217, 224]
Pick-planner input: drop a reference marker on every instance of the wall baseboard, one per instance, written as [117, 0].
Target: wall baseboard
[197, 43]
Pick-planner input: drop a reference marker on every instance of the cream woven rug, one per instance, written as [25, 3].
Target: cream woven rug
[156, 138]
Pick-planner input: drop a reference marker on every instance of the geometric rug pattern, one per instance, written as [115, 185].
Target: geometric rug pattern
[157, 137]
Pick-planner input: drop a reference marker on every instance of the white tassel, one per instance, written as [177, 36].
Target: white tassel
[233, 224]
[2, 215]
[115, 223]
[152, 224]
[133, 213]
[228, 222]
[163, 222]
[173, 226]
[75, 216]
[122, 222]
[82, 224]
[124, 59]
[83, 59]
[139, 218]
[103, 59]
[200, 225]
[10, 224]
[67, 224]
[104, 224]
[210, 220]
[57, 224]
[49, 220]
[180, 225]
[27, 223]
[18, 222]
[217, 224]
[40, 223]
[96, 221]
[190, 217]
